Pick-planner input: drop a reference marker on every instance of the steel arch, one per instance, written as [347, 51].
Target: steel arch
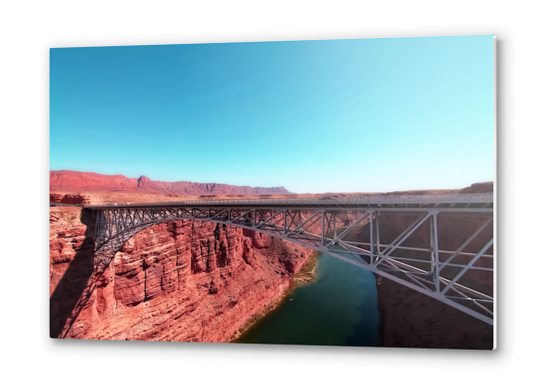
[318, 224]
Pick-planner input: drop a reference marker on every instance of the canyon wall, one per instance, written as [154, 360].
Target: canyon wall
[412, 319]
[194, 281]
[94, 182]
[176, 281]
[71, 198]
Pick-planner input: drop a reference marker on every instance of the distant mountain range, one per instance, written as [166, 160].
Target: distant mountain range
[72, 181]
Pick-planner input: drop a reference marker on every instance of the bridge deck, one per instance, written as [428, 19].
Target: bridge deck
[404, 201]
[432, 269]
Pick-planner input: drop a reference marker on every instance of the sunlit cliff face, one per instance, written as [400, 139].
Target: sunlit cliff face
[180, 281]
[193, 281]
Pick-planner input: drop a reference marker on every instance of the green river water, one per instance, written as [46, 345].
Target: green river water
[339, 308]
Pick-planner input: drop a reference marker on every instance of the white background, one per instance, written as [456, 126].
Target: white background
[28, 29]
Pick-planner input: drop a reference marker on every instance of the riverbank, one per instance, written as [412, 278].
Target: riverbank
[299, 279]
[339, 308]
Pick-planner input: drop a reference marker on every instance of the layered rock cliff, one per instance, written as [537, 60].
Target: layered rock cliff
[72, 199]
[189, 281]
[180, 281]
[94, 182]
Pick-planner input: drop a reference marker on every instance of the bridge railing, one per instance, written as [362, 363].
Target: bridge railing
[484, 198]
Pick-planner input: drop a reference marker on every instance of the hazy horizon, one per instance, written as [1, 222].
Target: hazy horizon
[362, 115]
[259, 186]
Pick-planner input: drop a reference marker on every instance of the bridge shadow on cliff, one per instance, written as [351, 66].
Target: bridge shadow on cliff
[68, 299]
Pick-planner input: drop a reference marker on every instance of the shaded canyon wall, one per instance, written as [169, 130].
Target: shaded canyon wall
[412, 319]
[177, 281]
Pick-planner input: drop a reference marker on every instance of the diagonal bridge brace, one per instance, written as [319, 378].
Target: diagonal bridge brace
[115, 225]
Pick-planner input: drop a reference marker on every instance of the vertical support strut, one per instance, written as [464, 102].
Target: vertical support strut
[435, 267]
[377, 214]
[371, 236]
[323, 227]
[334, 225]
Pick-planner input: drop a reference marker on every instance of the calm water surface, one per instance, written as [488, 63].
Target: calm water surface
[339, 308]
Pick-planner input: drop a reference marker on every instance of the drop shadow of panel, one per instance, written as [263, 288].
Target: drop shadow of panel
[70, 289]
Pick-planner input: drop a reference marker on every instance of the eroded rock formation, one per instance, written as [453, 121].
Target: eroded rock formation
[192, 281]
[72, 198]
[176, 281]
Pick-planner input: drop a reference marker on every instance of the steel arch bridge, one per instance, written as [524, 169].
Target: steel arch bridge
[413, 258]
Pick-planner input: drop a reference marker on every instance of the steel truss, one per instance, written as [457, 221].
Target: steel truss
[443, 274]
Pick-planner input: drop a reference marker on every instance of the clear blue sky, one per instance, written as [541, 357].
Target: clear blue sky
[360, 115]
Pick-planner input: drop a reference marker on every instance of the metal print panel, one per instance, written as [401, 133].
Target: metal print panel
[334, 192]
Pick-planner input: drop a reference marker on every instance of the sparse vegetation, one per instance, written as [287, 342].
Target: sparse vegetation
[309, 266]
[305, 274]
[68, 216]
[254, 319]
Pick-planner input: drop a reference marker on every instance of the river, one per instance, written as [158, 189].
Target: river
[339, 308]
